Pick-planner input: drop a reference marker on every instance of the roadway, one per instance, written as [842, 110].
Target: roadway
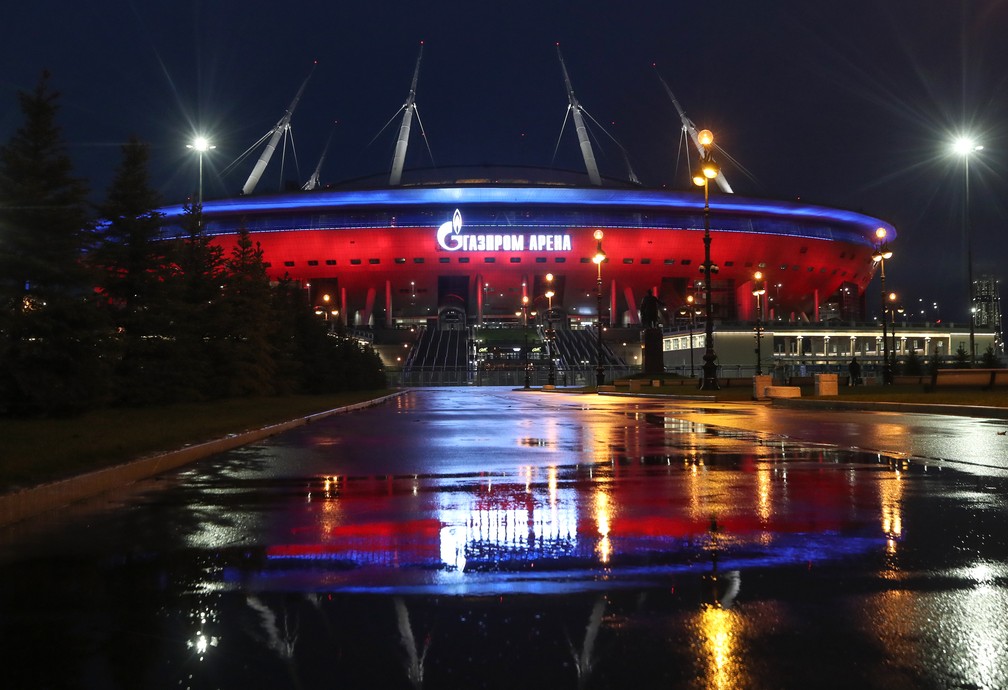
[497, 538]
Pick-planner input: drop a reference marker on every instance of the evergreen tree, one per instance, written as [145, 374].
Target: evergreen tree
[44, 211]
[51, 352]
[912, 365]
[201, 264]
[245, 356]
[989, 358]
[140, 282]
[962, 358]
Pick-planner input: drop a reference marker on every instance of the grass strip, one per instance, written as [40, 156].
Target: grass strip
[35, 451]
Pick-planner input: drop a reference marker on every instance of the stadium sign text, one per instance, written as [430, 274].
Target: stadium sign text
[450, 238]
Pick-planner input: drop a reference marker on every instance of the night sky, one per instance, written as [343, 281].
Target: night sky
[846, 104]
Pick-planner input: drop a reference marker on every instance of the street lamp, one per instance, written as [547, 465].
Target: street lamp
[759, 289]
[597, 260]
[966, 146]
[200, 145]
[551, 379]
[882, 252]
[708, 171]
[690, 309]
[525, 301]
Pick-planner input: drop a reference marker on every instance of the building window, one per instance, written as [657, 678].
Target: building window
[374, 261]
[444, 260]
[686, 262]
[463, 259]
[585, 260]
[669, 262]
[628, 261]
[330, 262]
[489, 260]
[729, 264]
[645, 261]
[540, 259]
[288, 263]
[355, 262]
[515, 259]
[267, 264]
[313, 262]
[418, 259]
[400, 259]
[560, 260]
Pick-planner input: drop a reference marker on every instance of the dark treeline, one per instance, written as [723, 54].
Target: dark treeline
[96, 310]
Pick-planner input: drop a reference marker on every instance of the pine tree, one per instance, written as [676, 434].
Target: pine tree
[138, 283]
[989, 359]
[245, 356]
[52, 351]
[962, 358]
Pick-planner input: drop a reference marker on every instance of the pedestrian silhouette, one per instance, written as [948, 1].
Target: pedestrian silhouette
[649, 311]
[855, 371]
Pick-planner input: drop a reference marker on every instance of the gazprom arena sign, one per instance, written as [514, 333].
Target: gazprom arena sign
[450, 237]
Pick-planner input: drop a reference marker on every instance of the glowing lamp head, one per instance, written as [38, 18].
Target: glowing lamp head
[758, 275]
[549, 294]
[699, 180]
[965, 146]
[705, 137]
[549, 277]
[689, 298]
[598, 235]
[892, 296]
[201, 144]
[881, 233]
[710, 170]
[598, 258]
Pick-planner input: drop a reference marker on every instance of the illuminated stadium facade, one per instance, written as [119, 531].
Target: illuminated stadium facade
[468, 252]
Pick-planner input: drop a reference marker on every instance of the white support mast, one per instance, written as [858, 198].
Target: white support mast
[313, 181]
[278, 131]
[579, 125]
[691, 130]
[399, 159]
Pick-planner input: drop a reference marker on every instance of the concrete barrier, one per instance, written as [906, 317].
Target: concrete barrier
[827, 384]
[760, 384]
[783, 392]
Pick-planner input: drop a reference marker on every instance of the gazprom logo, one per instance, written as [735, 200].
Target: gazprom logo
[448, 234]
[450, 238]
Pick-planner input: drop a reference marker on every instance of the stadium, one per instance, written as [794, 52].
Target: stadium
[456, 269]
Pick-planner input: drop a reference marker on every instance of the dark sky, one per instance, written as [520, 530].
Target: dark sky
[847, 104]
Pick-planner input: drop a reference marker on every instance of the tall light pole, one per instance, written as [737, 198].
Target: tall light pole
[598, 259]
[708, 171]
[965, 147]
[525, 301]
[759, 289]
[200, 145]
[690, 309]
[551, 378]
[882, 252]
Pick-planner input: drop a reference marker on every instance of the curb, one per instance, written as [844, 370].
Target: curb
[26, 503]
[920, 408]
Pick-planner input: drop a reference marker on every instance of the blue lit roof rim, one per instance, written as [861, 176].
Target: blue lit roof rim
[539, 195]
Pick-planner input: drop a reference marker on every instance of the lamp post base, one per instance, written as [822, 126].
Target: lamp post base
[709, 382]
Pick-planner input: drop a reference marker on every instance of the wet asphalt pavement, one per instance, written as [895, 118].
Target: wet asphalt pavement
[463, 538]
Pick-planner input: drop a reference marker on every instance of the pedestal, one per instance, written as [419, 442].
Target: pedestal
[651, 339]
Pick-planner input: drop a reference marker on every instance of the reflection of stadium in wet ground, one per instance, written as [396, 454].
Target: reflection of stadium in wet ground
[640, 517]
